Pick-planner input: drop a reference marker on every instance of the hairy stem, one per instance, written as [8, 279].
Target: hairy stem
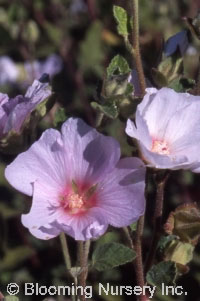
[84, 248]
[136, 47]
[67, 258]
[65, 250]
[157, 219]
[128, 236]
[138, 261]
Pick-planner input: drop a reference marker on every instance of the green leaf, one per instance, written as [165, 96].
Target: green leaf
[109, 109]
[171, 67]
[11, 298]
[117, 85]
[179, 252]
[185, 223]
[111, 255]
[164, 242]
[91, 54]
[159, 79]
[163, 272]
[31, 32]
[182, 84]
[121, 18]
[15, 256]
[118, 64]
[133, 226]
[107, 238]
[54, 33]
[59, 117]
[129, 89]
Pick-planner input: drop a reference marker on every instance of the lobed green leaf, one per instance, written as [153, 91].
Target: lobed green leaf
[163, 272]
[122, 20]
[111, 255]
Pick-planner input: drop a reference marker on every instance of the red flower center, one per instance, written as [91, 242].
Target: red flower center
[76, 200]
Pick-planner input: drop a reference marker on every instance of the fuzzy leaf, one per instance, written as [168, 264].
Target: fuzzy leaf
[118, 64]
[164, 242]
[182, 84]
[159, 79]
[171, 67]
[163, 272]
[121, 18]
[185, 223]
[111, 255]
[179, 252]
[109, 109]
[117, 85]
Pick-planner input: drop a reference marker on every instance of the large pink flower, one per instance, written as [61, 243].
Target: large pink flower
[78, 183]
[167, 128]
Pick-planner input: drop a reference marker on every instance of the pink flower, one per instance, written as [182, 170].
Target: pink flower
[167, 128]
[79, 185]
[14, 111]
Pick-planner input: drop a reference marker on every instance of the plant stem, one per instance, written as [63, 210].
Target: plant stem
[128, 235]
[138, 261]
[65, 250]
[157, 219]
[136, 47]
[67, 258]
[83, 250]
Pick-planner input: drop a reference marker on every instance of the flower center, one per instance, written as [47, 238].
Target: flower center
[161, 147]
[75, 200]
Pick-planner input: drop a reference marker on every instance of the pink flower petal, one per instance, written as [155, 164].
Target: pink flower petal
[89, 154]
[43, 162]
[122, 193]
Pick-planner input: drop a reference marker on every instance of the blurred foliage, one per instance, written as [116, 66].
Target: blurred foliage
[84, 35]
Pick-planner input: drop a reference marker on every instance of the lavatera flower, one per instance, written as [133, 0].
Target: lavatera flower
[14, 111]
[79, 185]
[20, 114]
[167, 129]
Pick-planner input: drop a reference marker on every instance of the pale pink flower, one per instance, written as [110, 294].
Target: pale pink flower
[79, 185]
[167, 128]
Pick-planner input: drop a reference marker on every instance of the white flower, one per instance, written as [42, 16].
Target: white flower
[167, 128]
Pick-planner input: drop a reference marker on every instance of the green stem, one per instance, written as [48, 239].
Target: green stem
[83, 253]
[128, 235]
[157, 219]
[67, 258]
[136, 47]
[65, 249]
